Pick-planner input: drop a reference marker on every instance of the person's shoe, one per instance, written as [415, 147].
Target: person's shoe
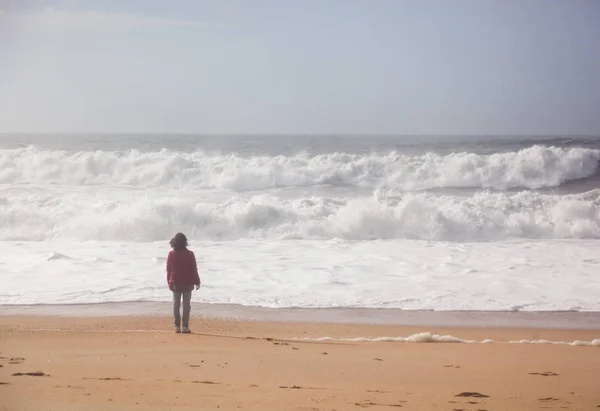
[185, 330]
[177, 329]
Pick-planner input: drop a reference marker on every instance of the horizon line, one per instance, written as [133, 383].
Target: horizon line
[295, 134]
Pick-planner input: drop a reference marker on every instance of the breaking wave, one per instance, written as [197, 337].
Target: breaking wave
[127, 216]
[531, 168]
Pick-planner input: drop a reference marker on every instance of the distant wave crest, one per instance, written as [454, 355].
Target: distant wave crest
[531, 168]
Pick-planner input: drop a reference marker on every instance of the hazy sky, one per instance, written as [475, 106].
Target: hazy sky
[303, 66]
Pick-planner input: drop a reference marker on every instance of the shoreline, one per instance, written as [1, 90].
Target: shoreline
[57, 363]
[565, 320]
[299, 331]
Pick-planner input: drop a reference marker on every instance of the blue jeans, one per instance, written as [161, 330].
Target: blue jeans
[187, 298]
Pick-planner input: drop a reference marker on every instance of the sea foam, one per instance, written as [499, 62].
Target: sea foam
[397, 274]
[118, 214]
[390, 229]
[428, 337]
[533, 167]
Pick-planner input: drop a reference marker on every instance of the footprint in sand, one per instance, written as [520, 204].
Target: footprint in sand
[31, 374]
[198, 382]
[472, 394]
[376, 404]
[298, 387]
[106, 379]
[16, 360]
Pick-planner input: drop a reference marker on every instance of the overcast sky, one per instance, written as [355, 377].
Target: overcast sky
[303, 66]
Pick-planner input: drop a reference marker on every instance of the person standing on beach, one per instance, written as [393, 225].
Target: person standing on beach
[182, 276]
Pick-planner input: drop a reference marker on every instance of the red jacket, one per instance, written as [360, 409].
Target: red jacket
[182, 272]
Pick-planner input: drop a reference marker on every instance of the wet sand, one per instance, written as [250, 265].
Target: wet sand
[62, 363]
[520, 319]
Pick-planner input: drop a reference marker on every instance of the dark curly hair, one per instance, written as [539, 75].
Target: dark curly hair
[179, 242]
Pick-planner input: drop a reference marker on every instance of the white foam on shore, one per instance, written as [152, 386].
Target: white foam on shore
[399, 274]
[420, 337]
[423, 337]
[593, 343]
[427, 337]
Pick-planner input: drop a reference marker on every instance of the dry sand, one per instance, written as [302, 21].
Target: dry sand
[138, 363]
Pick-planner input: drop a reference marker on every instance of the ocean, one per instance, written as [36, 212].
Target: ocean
[443, 223]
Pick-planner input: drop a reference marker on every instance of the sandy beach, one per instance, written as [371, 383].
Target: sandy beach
[138, 363]
[369, 205]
